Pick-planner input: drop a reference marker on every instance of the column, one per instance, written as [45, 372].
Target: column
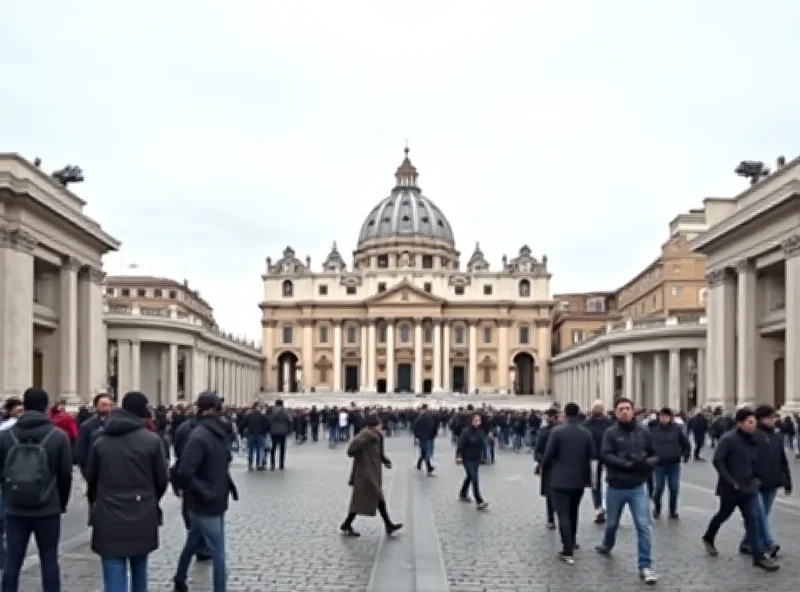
[437, 356]
[308, 356]
[473, 357]
[188, 374]
[212, 378]
[638, 396]
[92, 338]
[700, 384]
[16, 322]
[746, 333]
[136, 373]
[269, 380]
[390, 369]
[608, 382]
[446, 373]
[337, 356]
[544, 336]
[659, 400]
[721, 339]
[628, 386]
[123, 368]
[287, 375]
[502, 356]
[198, 374]
[791, 251]
[674, 388]
[418, 356]
[68, 330]
[172, 374]
[372, 366]
[365, 359]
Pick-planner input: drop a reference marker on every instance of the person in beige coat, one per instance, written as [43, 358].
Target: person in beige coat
[366, 478]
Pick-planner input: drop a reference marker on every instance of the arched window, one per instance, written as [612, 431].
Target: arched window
[405, 334]
[288, 289]
[459, 335]
[524, 288]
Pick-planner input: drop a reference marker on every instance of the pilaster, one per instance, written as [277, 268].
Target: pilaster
[721, 339]
[92, 339]
[791, 251]
[746, 333]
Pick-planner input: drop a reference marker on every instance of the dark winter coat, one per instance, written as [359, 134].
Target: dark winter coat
[366, 476]
[126, 476]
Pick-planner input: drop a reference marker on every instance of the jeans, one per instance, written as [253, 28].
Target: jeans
[333, 434]
[639, 503]
[597, 490]
[471, 469]
[425, 452]
[115, 574]
[210, 529]
[765, 500]
[567, 503]
[669, 475]
[255, 450]
[748, 507]
[202, 549]
[47, 532]
[278, 442]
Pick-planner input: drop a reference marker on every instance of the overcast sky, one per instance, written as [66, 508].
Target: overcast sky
[213, 137]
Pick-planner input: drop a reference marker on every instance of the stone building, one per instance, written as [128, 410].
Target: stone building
[577, 317]
[405, 316]
[163, 340]
[52, 333]
[753, 251]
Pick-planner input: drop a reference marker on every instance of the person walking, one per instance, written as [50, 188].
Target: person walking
[469, 451]
[597, 423]
[425, 427]
[36, 461]
[256, 425]
[538, 454]
[280, 424]
[126, 477]
[12, 409]
[671, 445]
[629, 457]
[366, 478]
[736, 463]
[568, 461]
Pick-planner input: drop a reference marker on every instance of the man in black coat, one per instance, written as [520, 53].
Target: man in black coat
[203, 475]
[425, 427]
[568, 461]
[41, 516]
[671, 446]
[597, 423]
[538, 455]
[126, 477]
[280, 424]
[86, 432]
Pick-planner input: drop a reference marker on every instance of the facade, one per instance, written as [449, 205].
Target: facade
[405, 317]
[52, 333]
[675, 282]
[577, 317]
[655, 353]
[752, 247]
[163, 341]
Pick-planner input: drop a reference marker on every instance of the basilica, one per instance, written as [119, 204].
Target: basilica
[405, 317]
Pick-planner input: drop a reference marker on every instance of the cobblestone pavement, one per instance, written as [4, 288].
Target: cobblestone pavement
[508, 548]
[282, 536]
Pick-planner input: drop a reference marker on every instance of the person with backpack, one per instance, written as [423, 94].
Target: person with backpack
[36, 461]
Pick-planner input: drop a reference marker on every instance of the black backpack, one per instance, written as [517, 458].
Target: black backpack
[27, 481]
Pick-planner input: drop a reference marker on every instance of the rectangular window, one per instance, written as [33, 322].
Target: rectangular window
[487, 290]
[383, 261]
[427, 286]
[676, 290]
[487, 376]
[459, 290]
[565, 306]
[405, 334]
[428, 334]
[323, 289]
[487, 334]
[382, 334]
[110, 291]
[351, 290]
[323, 335]
[381, 287]
[596, 304]
[126, 292]
[141, 292]
[351, 335]
[577, 336]
[158, 293]
[427, 262]
[323, 374]
[459, 335]
[524, 335]
[287, 335]
[173, 294]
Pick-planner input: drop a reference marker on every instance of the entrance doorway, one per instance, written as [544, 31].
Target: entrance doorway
[381, 386]
[38, 369]
[287, 373]
[779, 382]
[459, 382]
[351, 379]
[523, 375]
[404, 378]
[427, 386]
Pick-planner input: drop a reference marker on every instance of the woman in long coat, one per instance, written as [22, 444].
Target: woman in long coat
[366, 478]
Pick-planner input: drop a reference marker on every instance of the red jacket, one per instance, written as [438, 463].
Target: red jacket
[65, 421]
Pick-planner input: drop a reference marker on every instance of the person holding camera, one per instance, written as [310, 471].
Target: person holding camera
[629, 456]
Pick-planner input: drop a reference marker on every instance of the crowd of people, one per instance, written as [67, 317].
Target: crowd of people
[129, 457]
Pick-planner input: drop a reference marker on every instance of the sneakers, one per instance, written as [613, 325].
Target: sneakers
[348, 531]
[551, 525]
[648, 576]
[483, 506]
[600, 517]
[393, 528]
[180, 586]
[464, 498]
[603, 550]
[568, 559]
[710, 548]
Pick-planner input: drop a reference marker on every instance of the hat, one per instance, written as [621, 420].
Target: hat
[373, 421]
[135, 403]
[207, 400]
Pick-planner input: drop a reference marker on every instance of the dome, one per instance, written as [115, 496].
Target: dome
[406, 212]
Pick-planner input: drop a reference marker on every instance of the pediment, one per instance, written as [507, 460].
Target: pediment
[406, 294]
